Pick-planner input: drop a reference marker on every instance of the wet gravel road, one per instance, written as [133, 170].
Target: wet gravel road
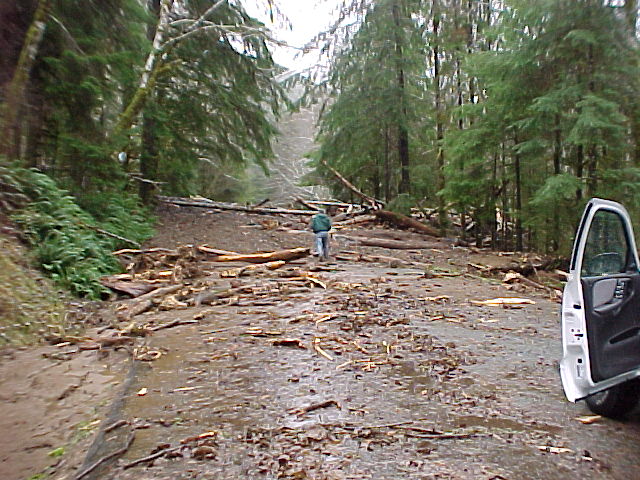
[383, 374]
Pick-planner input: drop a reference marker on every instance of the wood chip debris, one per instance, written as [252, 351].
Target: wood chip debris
[589, 419]
[317, 348]
[259, 332]
[552, 449]
[508, 301]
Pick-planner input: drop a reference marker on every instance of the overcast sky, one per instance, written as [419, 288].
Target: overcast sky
[307, 17]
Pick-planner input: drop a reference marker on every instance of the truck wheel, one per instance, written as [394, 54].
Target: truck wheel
[617, 401]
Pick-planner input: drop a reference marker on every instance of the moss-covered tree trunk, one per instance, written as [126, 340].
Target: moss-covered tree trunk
[15, 95]
[149, 146]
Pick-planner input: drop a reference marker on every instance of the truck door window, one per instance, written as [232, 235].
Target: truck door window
[606, 250]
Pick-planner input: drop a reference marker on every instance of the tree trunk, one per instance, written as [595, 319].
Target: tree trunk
[387, 165]
[155, 62]
[505, 201]
[15, 95]
[592, 169]
[518, 198]
[370, 200]
[148, 158]
[579, 170]
[403, 132]
[149, 147]
[631, 14]
[206, 203]
[402, 221]
[162, 9]
[557, 153]
[393, 244]
[492, 202]
[440, 180]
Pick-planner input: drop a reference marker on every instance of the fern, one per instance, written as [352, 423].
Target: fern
[75, 256]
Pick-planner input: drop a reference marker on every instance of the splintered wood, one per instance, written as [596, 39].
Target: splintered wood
[500, 302]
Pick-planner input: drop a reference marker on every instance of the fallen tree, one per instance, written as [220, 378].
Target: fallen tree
[404, 222]
[206, 203]
[286, 255]
[375, 203]
[354, 221]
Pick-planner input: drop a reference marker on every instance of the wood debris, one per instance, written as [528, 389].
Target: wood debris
[317, 348]
[498, 302]
[202, 202]
[589, 419]
[146, 354]
[315, 406]
[552, 449]
[404, 222]
[288, 342]
[286, 255]
[145, 302]
[248, 269]
[259, 332]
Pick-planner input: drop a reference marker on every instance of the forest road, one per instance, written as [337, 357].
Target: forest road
[371, 371]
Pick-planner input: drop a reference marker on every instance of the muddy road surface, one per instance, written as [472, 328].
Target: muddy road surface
[351, 369]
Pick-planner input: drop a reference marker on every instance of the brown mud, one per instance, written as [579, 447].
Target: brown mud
[386, 373]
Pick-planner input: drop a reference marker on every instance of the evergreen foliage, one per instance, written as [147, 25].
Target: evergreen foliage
[61, 235]
[213, 109]
[517, 112]
[190, 124]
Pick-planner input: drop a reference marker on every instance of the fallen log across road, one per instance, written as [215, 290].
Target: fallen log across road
[404, 222]
[285, 255]
[206, 203]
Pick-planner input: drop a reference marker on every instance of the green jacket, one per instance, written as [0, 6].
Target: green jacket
[320, 223]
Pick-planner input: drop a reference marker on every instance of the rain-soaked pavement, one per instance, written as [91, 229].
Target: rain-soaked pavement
[383, 374]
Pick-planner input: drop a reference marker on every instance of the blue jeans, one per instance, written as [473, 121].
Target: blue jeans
[322, 244]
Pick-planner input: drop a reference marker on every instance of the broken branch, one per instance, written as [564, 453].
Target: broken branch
[310, 408]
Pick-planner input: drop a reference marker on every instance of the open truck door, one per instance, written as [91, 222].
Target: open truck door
[601, 313]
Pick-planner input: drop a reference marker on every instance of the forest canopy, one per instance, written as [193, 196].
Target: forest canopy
[115, 101]
[505, 116]
[499, 118]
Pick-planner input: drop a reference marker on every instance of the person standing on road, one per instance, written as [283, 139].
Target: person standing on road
[321, 224]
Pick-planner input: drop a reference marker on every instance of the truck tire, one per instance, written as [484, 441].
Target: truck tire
[617, 401]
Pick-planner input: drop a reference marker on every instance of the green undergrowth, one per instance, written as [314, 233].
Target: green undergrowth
[62, 236]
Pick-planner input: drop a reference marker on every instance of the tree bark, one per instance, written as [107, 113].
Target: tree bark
[631, 13]
[579, 169]
[206, 203]
[518, 198]
[403, 132]
[285, 255]
[15, 95]
[440, 180]
[557, 155]
[155, 62]
[404, 222]
[149, 146]
[387, 165]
